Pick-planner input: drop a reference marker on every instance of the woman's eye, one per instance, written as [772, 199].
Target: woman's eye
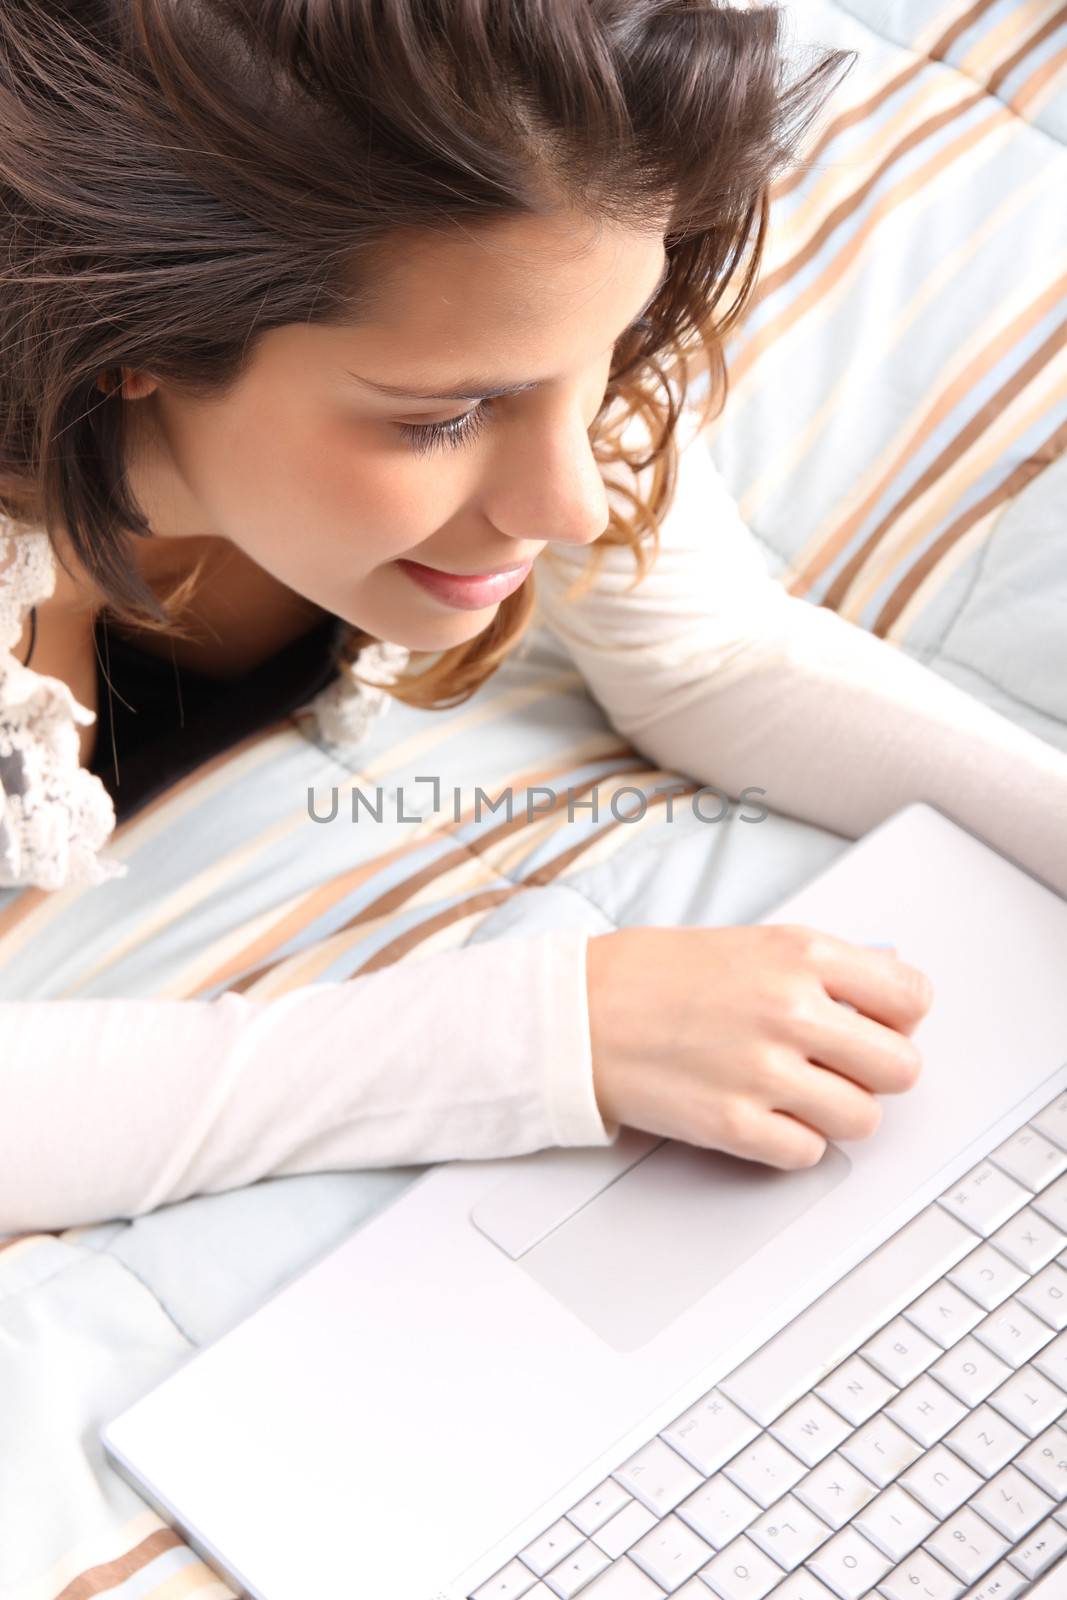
[455, 431]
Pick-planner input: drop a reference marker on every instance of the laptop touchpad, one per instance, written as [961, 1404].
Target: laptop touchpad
[654, 1241]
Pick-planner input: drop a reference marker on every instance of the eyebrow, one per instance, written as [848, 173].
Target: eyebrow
[477, 389]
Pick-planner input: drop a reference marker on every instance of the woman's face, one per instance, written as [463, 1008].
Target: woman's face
[307, 465]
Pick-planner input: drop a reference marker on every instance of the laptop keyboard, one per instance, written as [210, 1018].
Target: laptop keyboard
[930, 1463]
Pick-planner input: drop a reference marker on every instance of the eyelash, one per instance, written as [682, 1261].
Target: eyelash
[455, 431]
[423, 438]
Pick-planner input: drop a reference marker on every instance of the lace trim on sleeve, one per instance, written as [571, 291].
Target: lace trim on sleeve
[54, 815]
[346, 709]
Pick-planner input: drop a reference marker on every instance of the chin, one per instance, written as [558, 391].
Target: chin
[420, 633]
[425, 633]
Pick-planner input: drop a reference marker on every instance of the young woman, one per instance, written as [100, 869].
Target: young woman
[327, 326]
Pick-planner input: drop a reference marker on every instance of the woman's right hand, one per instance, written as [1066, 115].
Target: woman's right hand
[731, 1037]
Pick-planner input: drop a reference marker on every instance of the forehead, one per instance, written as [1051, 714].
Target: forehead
[513, 274]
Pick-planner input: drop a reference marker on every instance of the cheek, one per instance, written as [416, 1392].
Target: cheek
[369, 488]
[357, 495]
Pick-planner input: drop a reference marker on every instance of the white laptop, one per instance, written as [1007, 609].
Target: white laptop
[654, 1370]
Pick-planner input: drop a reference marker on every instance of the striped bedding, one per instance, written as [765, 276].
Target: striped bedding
[895, 437]
[896, 432]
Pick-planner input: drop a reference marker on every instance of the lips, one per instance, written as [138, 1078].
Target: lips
[494, 572]
[466, 591]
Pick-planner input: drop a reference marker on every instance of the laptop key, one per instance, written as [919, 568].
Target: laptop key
[920, 1575]
[510, 1583]
[572, 1575]
[710, 1432]
[549, 1548]
[598, 1505]
[718, 1511]
[984, 1198]
[622, 1581]
[856, 1390]
[986, 1441]
[971, 1371]
[926, 1410]
[881, 1450]
[1050, 1587]
[1047, 1296]
[1052, 1203]
[895, 1522]
[1012, 1503]
[1030, 1400]
[1045, 1461]
[810, 1429]
[801, 1586]
[657, 1476]
[1029, 1239]
[671, 1553]
[788, 1532]
[1052, 1122]
[1003, 1583]
[765, 1470]
[1013, 1333]
[967, 1545]
[941, 1481]
[1030, 1158]
[624, 1529]
[944, 1313]
[850, 1565]
[1052, 1361]
[741, 1572]
[900, 1351]
[1044, 1546]
[988, 1276]
[835, 1491]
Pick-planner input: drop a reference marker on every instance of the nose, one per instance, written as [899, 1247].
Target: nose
[544, 483]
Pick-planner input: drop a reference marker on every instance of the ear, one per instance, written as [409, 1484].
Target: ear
[126, 382]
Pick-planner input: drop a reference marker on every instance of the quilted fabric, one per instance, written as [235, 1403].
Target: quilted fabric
[896, 428]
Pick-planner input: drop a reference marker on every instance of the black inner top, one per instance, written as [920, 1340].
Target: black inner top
[159, 722]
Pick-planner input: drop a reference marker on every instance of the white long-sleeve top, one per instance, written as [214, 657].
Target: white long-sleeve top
[710, 669]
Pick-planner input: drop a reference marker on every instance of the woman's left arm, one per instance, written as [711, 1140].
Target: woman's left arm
[710, 668]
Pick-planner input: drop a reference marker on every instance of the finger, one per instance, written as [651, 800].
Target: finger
[791, 1142]
[875, 1056]
[780, 1140]
[833, 1105]
[878, 983]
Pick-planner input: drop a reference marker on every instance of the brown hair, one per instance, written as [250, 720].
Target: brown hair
[178, 176]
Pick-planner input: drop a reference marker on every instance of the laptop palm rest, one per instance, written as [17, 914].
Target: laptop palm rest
[628, 1238]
